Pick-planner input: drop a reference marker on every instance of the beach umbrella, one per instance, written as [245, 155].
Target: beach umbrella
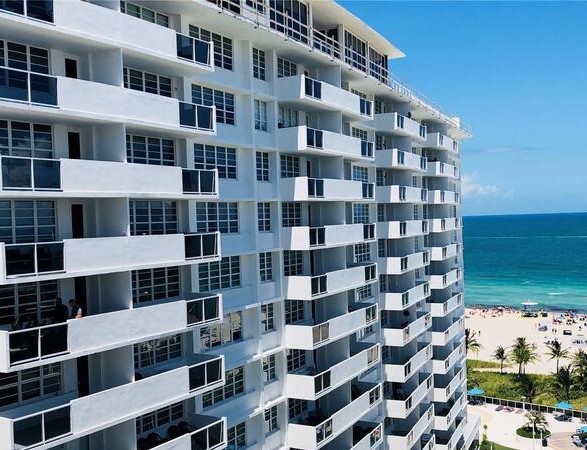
[563, 405]
[476, 391]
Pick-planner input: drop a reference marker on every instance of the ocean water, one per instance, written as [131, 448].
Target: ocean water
[542, 257]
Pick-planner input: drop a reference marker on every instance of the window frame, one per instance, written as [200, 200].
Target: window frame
[208, 272]
[259, 64]
[266, 267]
[222, 158]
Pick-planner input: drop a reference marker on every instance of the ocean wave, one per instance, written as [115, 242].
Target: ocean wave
[556, 294]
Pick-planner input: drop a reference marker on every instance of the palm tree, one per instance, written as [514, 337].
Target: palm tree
[556, 351]
[471, 342]
[528, 389]
[522, 354]
[536, 421]
[580, 366]
[564, 382]
[500, 354]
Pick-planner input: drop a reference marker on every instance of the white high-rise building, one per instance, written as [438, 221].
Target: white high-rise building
[259, 226]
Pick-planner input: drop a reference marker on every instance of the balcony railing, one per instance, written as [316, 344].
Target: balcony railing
[315, 138]
[201, 245]
[30, 174]
[32, 259]
[319, 285]
[312, 88]
[194, 50]
[28, 87]
[40, 428]
[368, 190]
[209, 433]
[365, 107]
[315, 187]
[199, 181]
[33, 9]
[203, 310]
[199, 117]
[37, 343]
[367, 149]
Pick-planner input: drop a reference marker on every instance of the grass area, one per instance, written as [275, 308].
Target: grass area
[527, 433]
[488, 445]
[480, 364]
[508, 386]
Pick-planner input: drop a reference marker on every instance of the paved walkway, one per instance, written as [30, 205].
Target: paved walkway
[502, 426]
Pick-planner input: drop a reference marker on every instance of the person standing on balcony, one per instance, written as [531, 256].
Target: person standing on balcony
[61, 312]
[76, 310]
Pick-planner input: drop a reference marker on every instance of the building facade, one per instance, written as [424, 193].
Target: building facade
[258, 227]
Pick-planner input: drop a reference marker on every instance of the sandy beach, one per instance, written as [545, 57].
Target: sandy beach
[496, 327]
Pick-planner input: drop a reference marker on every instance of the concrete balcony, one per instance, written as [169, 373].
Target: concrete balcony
[396, 265]
[427, 441]
[442, 338]
[310, 238]
[367, 435]
[399, 371]
[20, 263]
[305, 140]
[62, 419]
[304, 92]
[209, 434]
[310, 337]
[446, 416]
[95, 26]
[401, 408]
[33, 347]
[440, 169]
[471, 430]
[443, 281]
[443, 197]
[400, 194]
[399, 125]
[308, 287]
[442, 366]
[401, 229]
[442, 225]
[439, 141]
[308, 435]
[398, 301]
[450, 443]
[444, 389]
[446, 307]
[401, 334]
[405, 436]
[444, 253]
[303, 189]
[72, 178]
[310, 386]
[398, 159]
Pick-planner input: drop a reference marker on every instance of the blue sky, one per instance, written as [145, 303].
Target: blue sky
[516, 73]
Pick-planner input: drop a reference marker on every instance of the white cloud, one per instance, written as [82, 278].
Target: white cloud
[470, 187]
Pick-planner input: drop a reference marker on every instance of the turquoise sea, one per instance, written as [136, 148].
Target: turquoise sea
[543, 257]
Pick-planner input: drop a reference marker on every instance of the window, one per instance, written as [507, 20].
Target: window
[36, 300]
[267, 317]
[361, 174]
[265, 267]
[416, 212]
[147, 82]
[271, 423]
[223, 49]
[157, 351]
[294, 311]
[269, 368]
[361, 213]
[262, 165]
[292, 214]
[223, 101]
[264, 217]
[237, 437]
[381, 248]
[24, 57]
[150, 150]
[259, 64]
[159, 418]
[230, 330]
[223, 274]
[380, 141]
[362, 253]
[216, 157]
[152, 217]
[26, 221]
[259, 5]
[381, 177]
[358, 133]
[155, 284]
[295, 359]
[381, 213]
[144, 13]
[288, 117]
[355, 51]
[235, 384]
[290, 17]
[38, 382]
[363, 293]
[292, 263]
[290, 166]
[260, 115]
[296, 407]
[286, 68]
[26, 139]
[220, 216]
